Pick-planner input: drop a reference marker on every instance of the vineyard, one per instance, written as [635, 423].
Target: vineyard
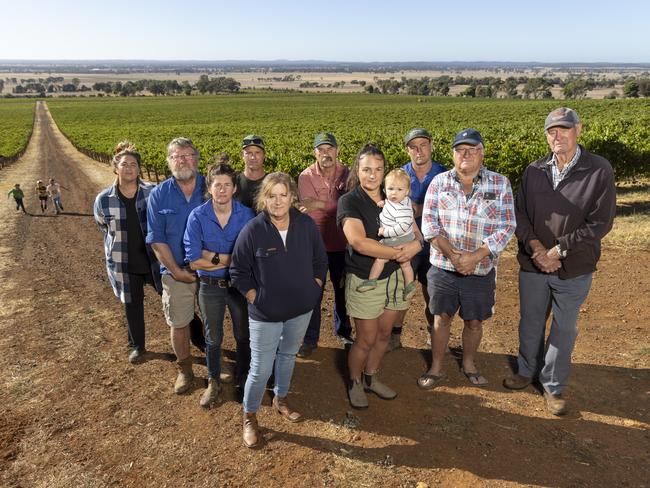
[512, 129]
[16, 118]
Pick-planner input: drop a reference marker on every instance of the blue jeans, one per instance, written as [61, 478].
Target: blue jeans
[272, 341]
[213, 301]
[336, 264]
[57, 204]
[539, 294]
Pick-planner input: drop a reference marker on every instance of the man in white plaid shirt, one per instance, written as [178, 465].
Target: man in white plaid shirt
[468, 218]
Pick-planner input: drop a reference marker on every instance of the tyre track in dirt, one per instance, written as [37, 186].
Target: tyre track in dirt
[75, 413]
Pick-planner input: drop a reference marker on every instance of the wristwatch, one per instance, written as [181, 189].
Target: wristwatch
[215, 259]
[561, 254]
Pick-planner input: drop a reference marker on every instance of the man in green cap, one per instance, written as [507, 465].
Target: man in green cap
[421, 168]
[248, 182]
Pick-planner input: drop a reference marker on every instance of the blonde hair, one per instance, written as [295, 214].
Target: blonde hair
[399, 174]
[270, 180]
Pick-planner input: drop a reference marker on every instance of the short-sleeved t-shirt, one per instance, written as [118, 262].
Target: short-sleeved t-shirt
[247, 190]
[357, 204]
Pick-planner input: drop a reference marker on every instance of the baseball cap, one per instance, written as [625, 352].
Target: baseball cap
[253, 140]
[468, 136]
[562, 117]
[325, 138]
[417, 132]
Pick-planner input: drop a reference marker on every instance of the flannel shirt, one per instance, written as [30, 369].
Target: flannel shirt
[110, 215]
[486, 217]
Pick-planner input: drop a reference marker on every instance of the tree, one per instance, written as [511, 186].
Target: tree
[576, 89]
[631, 89]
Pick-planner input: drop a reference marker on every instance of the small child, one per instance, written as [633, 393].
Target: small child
[397, 228]
[18, 196]
[41, 190]
[54, 191]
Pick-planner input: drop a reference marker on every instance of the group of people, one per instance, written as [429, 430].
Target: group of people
[261, 246]
[51, 191]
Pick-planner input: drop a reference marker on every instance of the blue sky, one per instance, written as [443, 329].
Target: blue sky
[379, 30]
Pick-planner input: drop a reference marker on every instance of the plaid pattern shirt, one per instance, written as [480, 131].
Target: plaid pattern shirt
[110, 215]
[486, 217]
[558, 175]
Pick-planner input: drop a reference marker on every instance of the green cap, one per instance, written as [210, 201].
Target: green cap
[325, 138]
[417, 132]
[253, 140]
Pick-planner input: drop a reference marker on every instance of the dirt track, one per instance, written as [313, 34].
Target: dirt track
[76, 413]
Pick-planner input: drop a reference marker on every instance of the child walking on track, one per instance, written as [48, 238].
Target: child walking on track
[41, 190]
[397, 228]
[18, 195]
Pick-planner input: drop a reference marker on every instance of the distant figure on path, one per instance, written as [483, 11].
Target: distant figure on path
[319, 188]
[121, 213]
[54, 192]
[565, 205]
[248, 182]
[18, 195]
[41, 191]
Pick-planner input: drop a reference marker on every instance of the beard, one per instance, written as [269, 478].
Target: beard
[184, 174]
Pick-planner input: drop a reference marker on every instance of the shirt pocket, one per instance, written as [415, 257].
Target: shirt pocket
[488, 210]
[448, 201]
[171, 220]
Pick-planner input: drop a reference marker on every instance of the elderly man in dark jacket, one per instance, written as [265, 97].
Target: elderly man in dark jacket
[565, 205]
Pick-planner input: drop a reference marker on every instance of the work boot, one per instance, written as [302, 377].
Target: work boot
[555, 404]
[185, 375]
[357, 395]
[226, 375]
[137, 355]
[282, 407]
[517, 382]
[251, 430]
[370, 383]
[395, 342]
[211, 394]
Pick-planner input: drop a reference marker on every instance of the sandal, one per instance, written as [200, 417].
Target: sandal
[476, 379]
[409, 291]
[367, 285]
[429, 381]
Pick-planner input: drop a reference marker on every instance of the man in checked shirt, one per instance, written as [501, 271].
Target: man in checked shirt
[469, 218]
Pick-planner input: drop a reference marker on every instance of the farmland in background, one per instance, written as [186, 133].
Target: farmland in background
[512, 129]
[16, 119]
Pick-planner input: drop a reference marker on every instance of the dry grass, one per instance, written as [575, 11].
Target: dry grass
[632, 223]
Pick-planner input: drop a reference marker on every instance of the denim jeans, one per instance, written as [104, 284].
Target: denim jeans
[57, 204]
[213, 301]
[342, 327]
[272, 341]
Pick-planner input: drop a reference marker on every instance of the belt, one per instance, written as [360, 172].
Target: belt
[210, 280]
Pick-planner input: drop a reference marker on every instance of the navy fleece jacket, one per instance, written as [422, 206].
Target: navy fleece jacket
[284, 276]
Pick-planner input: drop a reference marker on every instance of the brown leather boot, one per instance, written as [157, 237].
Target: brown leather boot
[185, 375]
[280, 404]
[251, 430]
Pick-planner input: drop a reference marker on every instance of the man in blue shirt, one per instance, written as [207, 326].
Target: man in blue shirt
[421, 168]
[169, 206]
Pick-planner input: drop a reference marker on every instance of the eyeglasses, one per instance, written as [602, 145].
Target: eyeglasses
[468, 151]
[182, 157]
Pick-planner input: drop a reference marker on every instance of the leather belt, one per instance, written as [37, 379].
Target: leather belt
[215, 281]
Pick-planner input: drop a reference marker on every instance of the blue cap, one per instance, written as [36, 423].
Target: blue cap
[468, 136]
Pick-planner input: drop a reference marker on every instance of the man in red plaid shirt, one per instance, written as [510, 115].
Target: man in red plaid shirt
[469, 218]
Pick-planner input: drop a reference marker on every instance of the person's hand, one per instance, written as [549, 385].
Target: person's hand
[545, 263]
[381, 203]
[407, 251]
[251, 295]
[184, 275]
[466, 262]
[380, 232]
[307, 205]
[319, 282]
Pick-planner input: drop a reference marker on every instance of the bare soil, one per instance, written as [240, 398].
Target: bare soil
[76, 413]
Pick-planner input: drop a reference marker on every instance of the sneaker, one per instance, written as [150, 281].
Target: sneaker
[211, 394]
[345, 340]
[306, 350]
[137, 356]
[395, 342]
[370, 383]
[555, 404]
[185, 376]
[409, 291]
[357, 395]
[517, 382]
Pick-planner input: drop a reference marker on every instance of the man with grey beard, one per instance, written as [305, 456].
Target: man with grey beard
[170, 204]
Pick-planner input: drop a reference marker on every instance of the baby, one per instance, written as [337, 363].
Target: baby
[397, 228]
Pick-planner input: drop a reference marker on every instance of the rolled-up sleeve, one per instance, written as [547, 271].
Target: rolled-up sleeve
[192, 238]
[155, 220]
[498, 240]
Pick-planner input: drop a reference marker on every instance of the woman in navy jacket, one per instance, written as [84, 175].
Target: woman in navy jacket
[279, 264]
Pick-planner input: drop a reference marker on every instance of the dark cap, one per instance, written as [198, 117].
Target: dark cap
[325, 138]
[562, 117]
[417, 132]
[253, 140]
[468, 136]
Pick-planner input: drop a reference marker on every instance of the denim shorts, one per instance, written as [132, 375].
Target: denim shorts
[451, 291]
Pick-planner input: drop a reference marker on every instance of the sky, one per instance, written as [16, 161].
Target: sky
[334, 30]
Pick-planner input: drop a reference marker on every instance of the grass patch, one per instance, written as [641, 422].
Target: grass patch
[632, 224]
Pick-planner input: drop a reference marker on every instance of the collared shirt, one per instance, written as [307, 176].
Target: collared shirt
[110, 215]
[312, 184]
[167, 214]
[487, 217]
[419, 190]
[558, 175]
[204, 231]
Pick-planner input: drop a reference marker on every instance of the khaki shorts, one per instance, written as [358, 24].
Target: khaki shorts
[178, 300]
[371, 304]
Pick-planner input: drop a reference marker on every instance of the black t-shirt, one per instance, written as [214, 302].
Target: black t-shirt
[247, 190]
[137, 259]
[357, 204]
